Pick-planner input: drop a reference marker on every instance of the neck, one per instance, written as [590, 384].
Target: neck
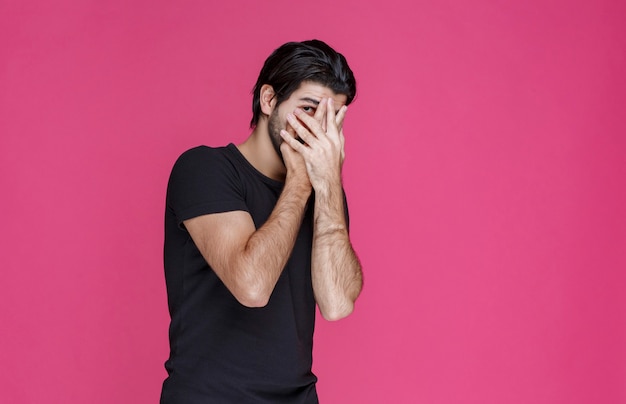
[259, 152]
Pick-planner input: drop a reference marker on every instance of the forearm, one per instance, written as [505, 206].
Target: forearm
[335, 268]
[267, 250]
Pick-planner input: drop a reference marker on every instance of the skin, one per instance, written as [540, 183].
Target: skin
[248, 260]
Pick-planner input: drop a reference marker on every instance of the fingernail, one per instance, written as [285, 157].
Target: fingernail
[298, 111]
[290, 117]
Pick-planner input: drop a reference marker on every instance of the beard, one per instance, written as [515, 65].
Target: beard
[274, 127]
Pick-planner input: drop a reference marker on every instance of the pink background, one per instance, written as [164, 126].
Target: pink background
[485, 171]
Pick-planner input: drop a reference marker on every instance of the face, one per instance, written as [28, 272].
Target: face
[306, 97]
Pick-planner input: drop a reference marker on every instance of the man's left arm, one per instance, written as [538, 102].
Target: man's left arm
[335, 268]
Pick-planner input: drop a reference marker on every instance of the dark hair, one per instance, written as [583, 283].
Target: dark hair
[294, 62]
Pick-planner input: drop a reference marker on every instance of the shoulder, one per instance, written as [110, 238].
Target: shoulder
[204, 180]
[202, 163]
[203, 159]
[201, 154]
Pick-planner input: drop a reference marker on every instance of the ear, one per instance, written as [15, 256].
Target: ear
[267, 99]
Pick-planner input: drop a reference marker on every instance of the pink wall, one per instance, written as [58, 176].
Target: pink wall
[485, 171]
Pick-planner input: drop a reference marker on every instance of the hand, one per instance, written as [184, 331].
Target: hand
[294, 162]
[323, 147]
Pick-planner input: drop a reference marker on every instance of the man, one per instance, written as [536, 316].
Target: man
[256, 235]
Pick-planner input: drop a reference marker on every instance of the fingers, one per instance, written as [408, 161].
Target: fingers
[341, 115]
[324, 124]
[320, 113]
[311, 132]
[291, 141]
[336, 118]
[330, 114]
[342, 141]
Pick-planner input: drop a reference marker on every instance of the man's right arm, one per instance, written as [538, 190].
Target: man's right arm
[249, 261]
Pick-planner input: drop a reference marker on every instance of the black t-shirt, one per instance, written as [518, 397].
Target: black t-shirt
[220, 350]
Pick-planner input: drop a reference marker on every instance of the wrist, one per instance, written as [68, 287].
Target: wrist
[298, 183]
[325, 189]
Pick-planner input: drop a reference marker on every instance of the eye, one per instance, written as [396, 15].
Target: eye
[309, 110]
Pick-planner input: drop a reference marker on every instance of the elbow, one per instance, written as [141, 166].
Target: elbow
[247, 287]
[251, 291]
[339, 312]
[252, 297]
[339, 306]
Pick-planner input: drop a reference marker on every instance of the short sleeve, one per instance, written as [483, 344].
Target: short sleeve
[204, 181]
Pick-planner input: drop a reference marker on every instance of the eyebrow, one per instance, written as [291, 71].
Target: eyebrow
[311, 100]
